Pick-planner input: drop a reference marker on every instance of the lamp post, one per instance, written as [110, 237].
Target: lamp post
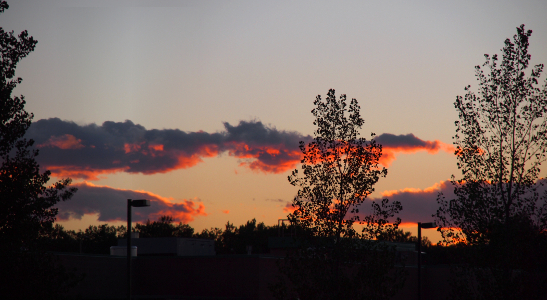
[131, 203]
[420, 226]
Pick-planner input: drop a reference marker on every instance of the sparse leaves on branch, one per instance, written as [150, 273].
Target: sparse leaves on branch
[501, 141]
[339, 170]
[26, 202]
[498, 209]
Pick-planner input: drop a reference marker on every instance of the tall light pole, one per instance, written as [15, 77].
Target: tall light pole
[420, 226]
[131, 203]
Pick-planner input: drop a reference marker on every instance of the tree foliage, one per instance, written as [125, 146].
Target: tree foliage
[235, 240]
[98, 239]
[164, 228]
[339, 170]
[501, 142]
[26, 202]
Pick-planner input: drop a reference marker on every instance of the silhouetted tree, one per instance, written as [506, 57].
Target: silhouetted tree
[99, 239]
[501, 141]
[183, 230]
[339, 170]
[403, 237]
[235, 240]
[60, 240]
[214, 233]
[164, 228]
[26, 203]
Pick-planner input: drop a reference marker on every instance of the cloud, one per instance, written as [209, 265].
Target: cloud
[419, 205]
[407, 143]
[288, 208]
[66, 141]
[90, 151]
[263, 148]
[111, 205]
[69, 149]
[275, 200]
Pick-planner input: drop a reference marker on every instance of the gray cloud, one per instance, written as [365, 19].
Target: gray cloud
[69, 149]
[111, 205]
[405, 141]
[87, 151]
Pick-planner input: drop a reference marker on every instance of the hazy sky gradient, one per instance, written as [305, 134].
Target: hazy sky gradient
[192, 65]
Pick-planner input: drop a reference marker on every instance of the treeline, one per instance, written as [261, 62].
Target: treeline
[98, 239]
[228, 240]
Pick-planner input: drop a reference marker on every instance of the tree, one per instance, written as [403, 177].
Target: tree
[236, 240]
[26, 202]
[501, 141]
[339, 171]
[401, 236]
[164, 228]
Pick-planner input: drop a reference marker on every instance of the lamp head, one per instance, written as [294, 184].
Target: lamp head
[140, 203]
[428, 225]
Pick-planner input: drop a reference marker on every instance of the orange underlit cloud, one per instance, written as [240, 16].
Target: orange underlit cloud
[288, 208]
[268, 159]
[90, 151]
[111, 205]
[64, 142]
[82, 172]
[389, 154]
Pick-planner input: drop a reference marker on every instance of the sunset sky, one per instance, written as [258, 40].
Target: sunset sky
[200, 105]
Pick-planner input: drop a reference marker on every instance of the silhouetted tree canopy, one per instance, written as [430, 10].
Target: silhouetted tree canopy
[99, 239]
[26, 202]
[339, 170]
[164, 228]
[498, 210]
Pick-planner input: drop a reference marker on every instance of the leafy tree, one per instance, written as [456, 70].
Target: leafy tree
[213, 233]
[26, 202]
[339, 170]
[164, 228]
[99, 239]
[501, 141]
[401, 236]
[235, 240]
[60, 240]
[183, 230]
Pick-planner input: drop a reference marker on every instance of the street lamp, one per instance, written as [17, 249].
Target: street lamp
[420, 226]
[131, 203]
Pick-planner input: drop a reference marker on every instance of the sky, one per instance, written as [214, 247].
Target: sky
[200, 105]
